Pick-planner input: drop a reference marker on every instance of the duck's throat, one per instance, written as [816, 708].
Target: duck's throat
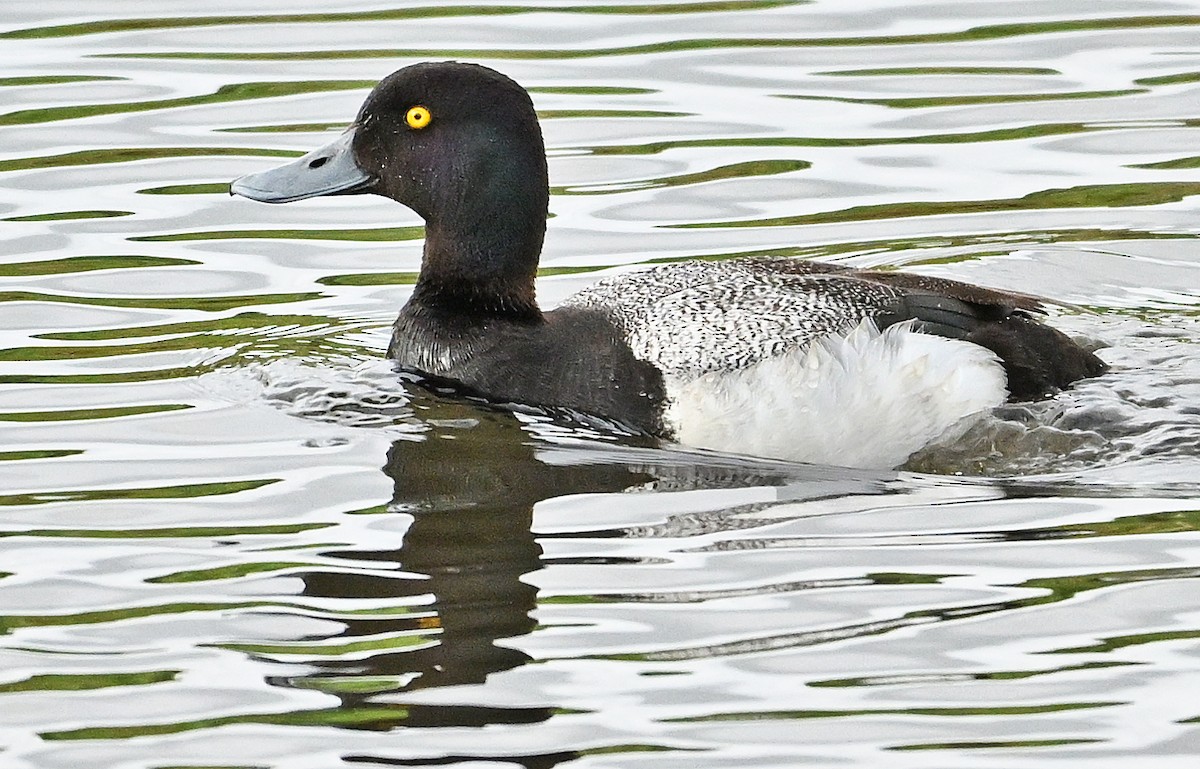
[487, 269]
[483, 259]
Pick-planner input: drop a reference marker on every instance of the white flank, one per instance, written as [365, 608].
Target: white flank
[866, 399]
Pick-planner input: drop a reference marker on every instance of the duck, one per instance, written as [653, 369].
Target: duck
[771, 356]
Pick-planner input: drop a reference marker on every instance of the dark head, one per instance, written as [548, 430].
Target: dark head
[460, 145]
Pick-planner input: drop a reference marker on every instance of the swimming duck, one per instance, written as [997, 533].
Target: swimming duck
[775, 357]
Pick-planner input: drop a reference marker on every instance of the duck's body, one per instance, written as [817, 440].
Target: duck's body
[774, 357]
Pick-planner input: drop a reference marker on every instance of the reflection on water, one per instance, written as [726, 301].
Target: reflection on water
[466, 550]
[201, 563]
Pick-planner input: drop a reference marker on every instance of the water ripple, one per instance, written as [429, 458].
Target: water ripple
[233, 535]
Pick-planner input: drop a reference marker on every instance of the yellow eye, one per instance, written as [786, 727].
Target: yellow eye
[418, 117]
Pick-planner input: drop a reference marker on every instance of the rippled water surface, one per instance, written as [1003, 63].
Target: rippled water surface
[232, 536]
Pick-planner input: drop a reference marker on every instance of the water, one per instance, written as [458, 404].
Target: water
[234, 537]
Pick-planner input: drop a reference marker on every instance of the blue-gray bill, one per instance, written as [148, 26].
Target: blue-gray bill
[329, 170]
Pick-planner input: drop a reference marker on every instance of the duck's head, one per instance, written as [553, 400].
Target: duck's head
[457, 143]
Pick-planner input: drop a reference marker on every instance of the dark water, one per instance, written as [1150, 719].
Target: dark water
[232, 536]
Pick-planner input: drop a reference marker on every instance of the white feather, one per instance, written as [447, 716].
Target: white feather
[865, 399]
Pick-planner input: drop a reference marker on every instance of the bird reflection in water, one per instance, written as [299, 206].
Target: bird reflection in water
[471, 492]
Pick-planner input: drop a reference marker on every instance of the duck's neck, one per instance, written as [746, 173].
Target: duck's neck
[484, 238]
[486, 271]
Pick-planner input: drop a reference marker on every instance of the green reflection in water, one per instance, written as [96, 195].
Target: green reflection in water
[182, 491]
[918, 71]
[754, 168]
[1064, 588]
[12, 456]
[227, 572]
[1114, 643]
[204, 304]
[409, 640]
[285, 128]
[554, 114]
[426, 12]
[989, 32]
[39, 454]
[13, 622]
[75, 415]
[351, 684]
[371, 279]
[378, 234]
[1086, 196]
[222, 352]
[249, 323]
[637, 748]
[131, 154]
[170, 532]
[378, 717]
[115, 377]
[87, 682]
[211, 188]
[224, 341]
[992, 744]
[233, 351]
[74, 264]
[226, 93]
[970, 137]
[53, 79]
[1126, 526]
[1176, 79]
[940, 712]
[918, 102]
[592, 90]
[63, 215]
[1171, 165]
[1004, 675]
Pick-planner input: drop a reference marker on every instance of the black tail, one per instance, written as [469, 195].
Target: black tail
[1038, 359]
